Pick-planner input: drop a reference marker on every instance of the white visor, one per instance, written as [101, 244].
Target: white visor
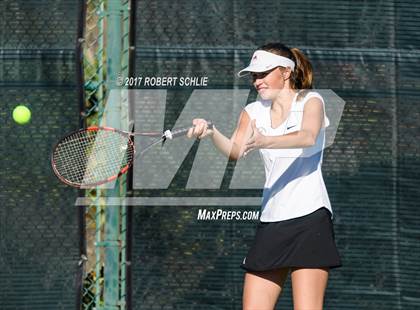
[263, 61]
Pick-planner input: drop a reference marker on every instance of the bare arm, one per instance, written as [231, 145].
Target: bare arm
[313, 117]
[233, 147]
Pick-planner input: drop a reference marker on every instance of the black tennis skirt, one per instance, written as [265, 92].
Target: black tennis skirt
[303, 242]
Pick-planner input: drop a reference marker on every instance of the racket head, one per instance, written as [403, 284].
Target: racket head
[93, 156]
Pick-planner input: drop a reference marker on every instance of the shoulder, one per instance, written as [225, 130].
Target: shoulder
[308, 95]
[256, 107]
[313, 102]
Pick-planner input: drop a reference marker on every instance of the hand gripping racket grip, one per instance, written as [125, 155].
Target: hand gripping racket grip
[181, 132]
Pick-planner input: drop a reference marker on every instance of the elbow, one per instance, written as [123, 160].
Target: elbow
[235, 153]
[234, 156]
[309, 140]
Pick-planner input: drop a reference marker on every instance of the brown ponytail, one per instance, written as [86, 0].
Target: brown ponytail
[302, 77]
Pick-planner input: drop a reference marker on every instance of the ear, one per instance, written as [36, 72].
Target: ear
[287, 73]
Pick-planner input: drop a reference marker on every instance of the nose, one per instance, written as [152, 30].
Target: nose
[258, 82]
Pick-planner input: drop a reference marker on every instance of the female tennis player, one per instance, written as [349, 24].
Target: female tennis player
[295, 233]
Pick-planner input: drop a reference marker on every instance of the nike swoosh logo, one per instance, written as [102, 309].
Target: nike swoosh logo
[291, 127]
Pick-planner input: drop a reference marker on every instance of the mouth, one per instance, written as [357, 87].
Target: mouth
[261, 88]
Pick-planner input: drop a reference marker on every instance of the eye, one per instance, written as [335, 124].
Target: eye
[259, 75]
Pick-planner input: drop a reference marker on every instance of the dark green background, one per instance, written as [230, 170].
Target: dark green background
[366, 52]
[39, 233]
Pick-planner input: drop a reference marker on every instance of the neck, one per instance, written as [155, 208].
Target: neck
[283, 100]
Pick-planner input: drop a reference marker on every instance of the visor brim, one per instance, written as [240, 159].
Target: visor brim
[257, 69]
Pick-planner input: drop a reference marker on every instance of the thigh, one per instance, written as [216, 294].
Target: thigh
[262, 289]
[308, 285]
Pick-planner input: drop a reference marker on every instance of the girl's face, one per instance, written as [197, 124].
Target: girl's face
[269, 83]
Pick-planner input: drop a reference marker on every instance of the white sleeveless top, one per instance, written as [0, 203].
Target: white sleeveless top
[294, 185]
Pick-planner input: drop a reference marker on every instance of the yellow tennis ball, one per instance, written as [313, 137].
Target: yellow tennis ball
[21, 114]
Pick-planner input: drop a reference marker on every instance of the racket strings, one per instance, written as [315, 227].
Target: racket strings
[90, 157]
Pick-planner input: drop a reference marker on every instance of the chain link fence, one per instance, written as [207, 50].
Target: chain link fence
[96, 65]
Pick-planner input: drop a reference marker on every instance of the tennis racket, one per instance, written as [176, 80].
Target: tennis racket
[97, 155]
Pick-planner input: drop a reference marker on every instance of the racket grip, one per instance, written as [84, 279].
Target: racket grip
[182, 132]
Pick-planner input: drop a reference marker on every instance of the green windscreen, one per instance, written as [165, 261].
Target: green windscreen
[368, 54]
[39, 224]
